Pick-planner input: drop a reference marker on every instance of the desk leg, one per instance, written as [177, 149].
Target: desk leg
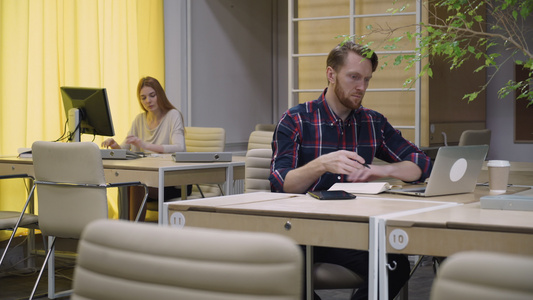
[309, 290]
[183, 192]
[373, 264]
[31, 234]
[228, 186]
[123, 203]
[161, 217]
[382, 260]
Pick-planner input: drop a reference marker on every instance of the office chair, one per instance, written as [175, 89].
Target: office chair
[265, 127]
[325, 275]
[71, 187]
[257, 163]
[260, 140]
[12, 220]
[257, 170]
[475, 137]
[205, 139]
[484, 275]
[328, 276]
[200, 139]
[123, 260]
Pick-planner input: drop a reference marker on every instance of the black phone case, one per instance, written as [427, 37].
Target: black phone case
[332, 195]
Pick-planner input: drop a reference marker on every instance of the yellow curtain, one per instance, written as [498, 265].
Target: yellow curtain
[46, 44]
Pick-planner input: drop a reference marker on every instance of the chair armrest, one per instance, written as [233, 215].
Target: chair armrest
[121, 184]
[107, 185]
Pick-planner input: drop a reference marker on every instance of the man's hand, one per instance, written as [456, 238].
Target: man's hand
[367, 174]
[339, 162]
[404, 170]
[342, 162]
[347, 163]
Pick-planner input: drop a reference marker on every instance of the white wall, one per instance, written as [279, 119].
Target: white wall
[500, 114]
[237, 74]
[176, 53]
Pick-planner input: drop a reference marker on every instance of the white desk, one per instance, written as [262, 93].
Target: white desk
[460, 228]
[306, 220]
[158, 172]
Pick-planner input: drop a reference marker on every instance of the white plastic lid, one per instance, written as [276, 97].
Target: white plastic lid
[498, 163]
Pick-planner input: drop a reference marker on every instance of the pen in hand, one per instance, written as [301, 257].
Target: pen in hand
[363, 164]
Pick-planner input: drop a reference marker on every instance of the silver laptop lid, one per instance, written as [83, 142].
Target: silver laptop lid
[202, 156]
[456, 170]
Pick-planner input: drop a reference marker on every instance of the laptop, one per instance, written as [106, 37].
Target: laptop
[455, 171]
[119, 154]
[202, 156]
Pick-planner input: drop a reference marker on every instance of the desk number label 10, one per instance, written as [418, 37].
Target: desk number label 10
[398, 239]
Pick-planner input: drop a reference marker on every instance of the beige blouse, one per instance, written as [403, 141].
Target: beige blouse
[169, 133]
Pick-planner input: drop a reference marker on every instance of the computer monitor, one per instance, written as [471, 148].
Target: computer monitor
[87, 111]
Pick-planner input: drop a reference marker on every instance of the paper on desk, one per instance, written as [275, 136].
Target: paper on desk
[361, 187]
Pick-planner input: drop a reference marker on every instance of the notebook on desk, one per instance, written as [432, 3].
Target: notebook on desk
[119, 154]
[202, 156]
[455, 171]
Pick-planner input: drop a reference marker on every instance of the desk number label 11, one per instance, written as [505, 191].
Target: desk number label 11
[398, 239]
[177, 220]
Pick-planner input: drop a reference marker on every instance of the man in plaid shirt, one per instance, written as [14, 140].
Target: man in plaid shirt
[335, 139]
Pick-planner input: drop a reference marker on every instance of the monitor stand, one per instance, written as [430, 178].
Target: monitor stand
[74, 125]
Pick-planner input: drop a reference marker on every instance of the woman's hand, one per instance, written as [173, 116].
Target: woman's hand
[137, 142]
[110, 143]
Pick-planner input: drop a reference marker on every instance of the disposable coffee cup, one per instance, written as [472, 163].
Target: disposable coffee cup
[498, 175]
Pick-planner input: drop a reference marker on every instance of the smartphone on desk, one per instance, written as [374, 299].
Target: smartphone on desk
[331, 195]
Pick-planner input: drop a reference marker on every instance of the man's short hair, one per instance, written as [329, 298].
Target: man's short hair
[337, 56]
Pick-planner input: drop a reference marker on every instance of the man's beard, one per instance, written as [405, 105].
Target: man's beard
[345, 100]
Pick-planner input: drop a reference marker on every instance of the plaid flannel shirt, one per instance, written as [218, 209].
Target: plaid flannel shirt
[312, 129]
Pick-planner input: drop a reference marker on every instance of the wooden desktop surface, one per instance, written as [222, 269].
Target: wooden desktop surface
[146, 170]
[10, 165]
[348, 223]
[479, 191]
[309, 221]
[465, 227]
[156, 171]
[313, 222]
[468, 227]
[455, 229]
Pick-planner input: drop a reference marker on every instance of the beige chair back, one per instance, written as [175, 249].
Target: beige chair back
[475, 137]
[205, 139]
[124, 260]
[265, 127]
[12, 220]
[328, 276]
[65, 210]
[484, 275]
[257, 170]
[260, 140]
